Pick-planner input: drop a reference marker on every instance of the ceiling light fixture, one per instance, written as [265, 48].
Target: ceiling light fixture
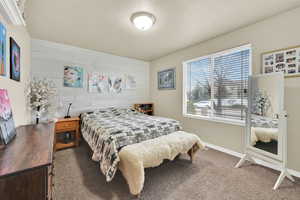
[142, 20]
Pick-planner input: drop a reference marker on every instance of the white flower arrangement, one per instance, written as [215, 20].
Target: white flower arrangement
[40, 92]
[261, 103]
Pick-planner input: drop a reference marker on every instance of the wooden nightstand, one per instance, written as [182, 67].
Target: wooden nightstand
[68, 126]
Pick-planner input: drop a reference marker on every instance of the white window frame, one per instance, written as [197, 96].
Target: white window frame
[184, 85]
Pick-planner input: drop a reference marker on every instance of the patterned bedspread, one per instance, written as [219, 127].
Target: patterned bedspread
[108, 130]
[263, 122]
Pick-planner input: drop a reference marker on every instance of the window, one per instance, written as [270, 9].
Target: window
[215, 86]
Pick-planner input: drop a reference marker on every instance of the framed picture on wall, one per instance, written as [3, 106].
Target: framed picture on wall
[103, 83]
[2, 50]
[130, 82]
[282, 60]
[15, 60]
[7, 125]
[73, 76]
[98, 83]
[166, 79]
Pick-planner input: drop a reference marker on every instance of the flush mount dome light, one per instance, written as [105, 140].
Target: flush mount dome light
[143, 20]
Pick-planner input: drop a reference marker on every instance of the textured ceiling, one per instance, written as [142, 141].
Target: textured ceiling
[104, 25]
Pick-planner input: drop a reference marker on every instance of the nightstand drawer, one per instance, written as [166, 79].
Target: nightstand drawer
[65, 126]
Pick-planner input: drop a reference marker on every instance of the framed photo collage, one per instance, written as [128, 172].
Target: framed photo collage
[282, 60]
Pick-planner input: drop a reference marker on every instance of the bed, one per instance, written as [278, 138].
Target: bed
[115, 132]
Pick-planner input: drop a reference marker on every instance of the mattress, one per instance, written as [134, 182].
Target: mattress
[108, 130]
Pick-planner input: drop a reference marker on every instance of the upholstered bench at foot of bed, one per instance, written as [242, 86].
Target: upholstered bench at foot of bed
[151, 153]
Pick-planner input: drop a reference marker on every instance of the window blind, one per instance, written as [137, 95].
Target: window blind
[230, 77]
[216, 85]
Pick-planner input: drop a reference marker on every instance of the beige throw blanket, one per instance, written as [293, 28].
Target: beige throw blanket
[263, 134]
[151, 153]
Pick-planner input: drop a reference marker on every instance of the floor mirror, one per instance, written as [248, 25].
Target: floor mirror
[266, 123]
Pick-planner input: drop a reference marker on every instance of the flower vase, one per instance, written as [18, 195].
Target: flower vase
[37, 115]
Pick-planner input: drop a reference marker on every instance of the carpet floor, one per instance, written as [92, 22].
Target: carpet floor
[210, 177]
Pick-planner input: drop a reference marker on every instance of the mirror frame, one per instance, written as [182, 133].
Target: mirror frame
[281, 120]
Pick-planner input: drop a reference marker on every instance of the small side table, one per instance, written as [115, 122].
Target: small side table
[62, 126]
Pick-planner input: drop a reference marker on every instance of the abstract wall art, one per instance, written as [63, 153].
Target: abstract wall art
[2, 50]
[15, 60]
[115, 83]
[98, 83]
[103, 83]
[7, 125]
[130, 82]
[73, 76]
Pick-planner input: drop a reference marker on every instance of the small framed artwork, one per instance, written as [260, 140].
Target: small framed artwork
[73, 77]
[115, 83]
[7, 125]
[282, 60]
[130, 82]
[2, 50]
[166, 79]
[15, 60]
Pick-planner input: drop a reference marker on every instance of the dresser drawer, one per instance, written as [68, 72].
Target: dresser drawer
[65, 126]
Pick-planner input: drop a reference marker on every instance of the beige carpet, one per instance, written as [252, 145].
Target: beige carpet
[211, 177]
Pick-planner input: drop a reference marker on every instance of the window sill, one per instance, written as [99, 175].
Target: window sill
[216, 119]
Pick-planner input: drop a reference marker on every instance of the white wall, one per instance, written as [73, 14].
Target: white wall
[49, 59]
[273, 33]
[16, 90]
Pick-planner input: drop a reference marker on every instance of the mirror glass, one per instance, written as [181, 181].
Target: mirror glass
[265, 104]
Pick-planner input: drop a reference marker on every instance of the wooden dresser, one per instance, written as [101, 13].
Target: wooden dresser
[26, 164]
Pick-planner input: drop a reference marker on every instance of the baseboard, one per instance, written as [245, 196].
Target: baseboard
[294, 173]
[224, 150]
[239, 155]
